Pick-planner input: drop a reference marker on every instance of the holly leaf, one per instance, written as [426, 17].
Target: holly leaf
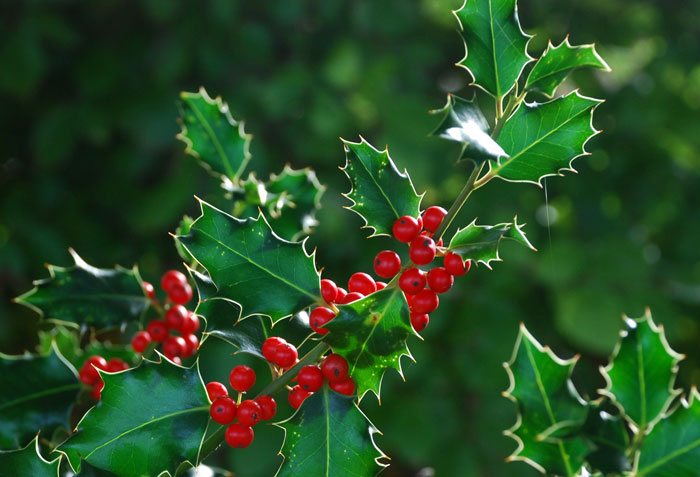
[149, 420]
[606, 430]
[329, 435]
[29, 462]
[549, 408]
[480, 243]
[495, 44]
[379, 193]
[211, 135]
[672, 449]
[641, 374]
[37, 394]
[371, 335]
[555, 64]
[251, 266]
[544, 139]
[86, 295]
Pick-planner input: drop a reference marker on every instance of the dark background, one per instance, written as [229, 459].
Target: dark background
[89, 160]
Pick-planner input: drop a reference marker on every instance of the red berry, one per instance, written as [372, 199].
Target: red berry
[455, 265]
[412, 281]
[242, 378]
[268, 407]
[297, 396]
[269, 347]
[350, 297]
[177, 360]
[406, 228]
[342, 293]
[181, 293]
[174, 346]
[409, 299]
[329, 290]
[239, 436]
[335, 368]
[191, 345]
[97, 389]
[422, 250]
[419, 321]
[170, 279]
[381, 285]
[216, 389]
[440, 280]
[387, 263]
[362, 283]
[140, 341]
[249, 413]
[190, 324]
[285, 356]
[223, 410]
[319, 317]
[426, 301]
[344, 386]
[175, 316]
[158, 330]
[149, 290]
[88, 373]
[310, 378]
[115, 365]
[432, 218]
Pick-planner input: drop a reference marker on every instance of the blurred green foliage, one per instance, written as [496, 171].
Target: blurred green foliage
[89, 160]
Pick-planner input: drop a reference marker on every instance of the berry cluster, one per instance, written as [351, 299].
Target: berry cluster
[333, 369]
[91, 377]
[176, 318]
[224, 410]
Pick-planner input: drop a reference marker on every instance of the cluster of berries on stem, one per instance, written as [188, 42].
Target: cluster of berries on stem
[90, 376]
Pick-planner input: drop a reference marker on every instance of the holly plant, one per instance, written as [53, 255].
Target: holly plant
[115, 387]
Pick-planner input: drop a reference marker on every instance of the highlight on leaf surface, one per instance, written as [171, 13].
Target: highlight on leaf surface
[481, 243]
[28, 461]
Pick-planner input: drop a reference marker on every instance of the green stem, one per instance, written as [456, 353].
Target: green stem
[459, 202]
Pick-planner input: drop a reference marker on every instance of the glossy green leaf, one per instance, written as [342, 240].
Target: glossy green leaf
[496, 46]
[212, 135]
[544, 139]
[329, 436]
[37, 395]
[480, 243]
[555, 64]
[250, 265]
[642, 372]
[607, 431]
[150, 419]
[85, 295]
[380, 194]
[28, 462]
[464, 122]
[371, 334]
[672, 449]
[549, 408]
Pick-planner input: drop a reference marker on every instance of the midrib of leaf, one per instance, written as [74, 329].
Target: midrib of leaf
[642, 387]
[40, 394]
[381, 190]
[548, 406]
[268, 271]
[493, 52]
[374, 327]
[215, 140]
[669, 457]
[145, 424]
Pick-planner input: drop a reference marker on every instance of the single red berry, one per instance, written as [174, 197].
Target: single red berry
[269, 347]
[409, 299]
[406, 228]
[319, 317]
[140, 341]
[297, 396]
[174, 316]
[329, 290]
[422, 250]
[149, 290]
[223, 410]
[381, 285]
[88, 372]
[426, 301]
[174, 346]
[432, 218]
[115, 365]
[177, 360]
[412, 281]
[158, 330]
[342, 293]
[362, 283]
[181, 293]
[387, 263]
[216, 389]
[419, 219]
[285, 356]
[249, 413]
[239, 436]
[334, 368]
[455, 265]
[350, 297]
[97, 389]
[242, 378]
[268, 407]
[170, 279]
[190, 324]
[310, 378]
[191, 345]
[419, 321]
[440, 280]
[344, 386]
